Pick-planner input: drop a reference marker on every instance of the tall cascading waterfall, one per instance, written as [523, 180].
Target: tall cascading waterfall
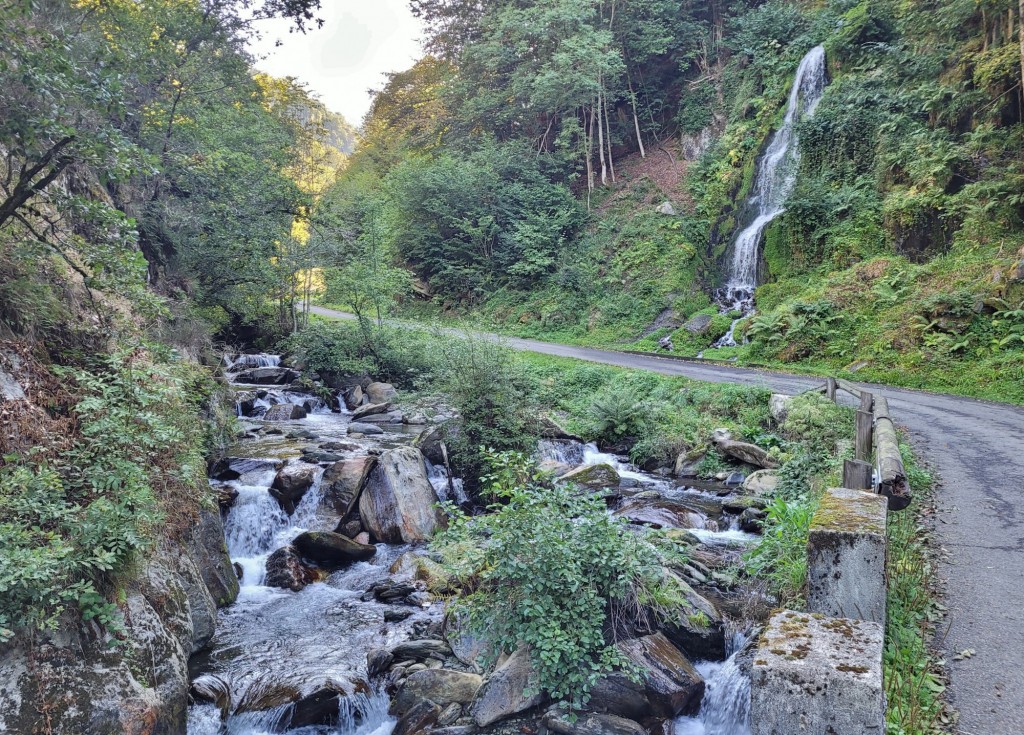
[773, 183]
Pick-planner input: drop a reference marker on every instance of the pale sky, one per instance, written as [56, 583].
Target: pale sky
[360, 42]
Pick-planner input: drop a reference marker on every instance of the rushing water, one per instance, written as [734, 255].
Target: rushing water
[773, 183]
[725, 709]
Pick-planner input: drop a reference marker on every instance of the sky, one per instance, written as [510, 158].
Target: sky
[361, 40]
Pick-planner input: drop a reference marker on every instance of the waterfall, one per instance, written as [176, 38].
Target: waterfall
[725, 709]
[240, 362]
[773, 183]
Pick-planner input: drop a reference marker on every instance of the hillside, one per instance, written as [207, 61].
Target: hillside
[899, 254]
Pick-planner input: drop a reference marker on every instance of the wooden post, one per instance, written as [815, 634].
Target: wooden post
[830, 389]
[864, 421]
[857, 475]
[867, 401]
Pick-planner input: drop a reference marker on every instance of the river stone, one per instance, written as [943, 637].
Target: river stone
[284, 412]
[762, 482]
[381, 392]
[343, 482]
[594, 724]
[813, 674]
[357, 427]
[697, 629]
[504, 693]
[418, 719]
[291, 483]
[354, 397]
[378, 661]
[440, 686]
[449, 715]
[595, 476]
[660, 513]
[331, 550]
[391, 417]
[370, 409]
[421, 649]
[669, 684]
[430, 442]
[688, 463]
[551, 429]
[698, 323]
[286, 570]
[743, 451]
[466, 647]
[266, 376]
[398, 504]
[246, 470]
[751, 520]
[245, 402]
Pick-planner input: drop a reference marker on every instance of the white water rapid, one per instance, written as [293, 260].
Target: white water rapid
[725, 709]
[774, 180]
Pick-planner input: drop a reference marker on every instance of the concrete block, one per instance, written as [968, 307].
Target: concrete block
[846, 556]
[814, 675]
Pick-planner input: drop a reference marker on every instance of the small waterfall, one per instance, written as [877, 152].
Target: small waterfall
[438, 476]
[725, 709]
[234, 363]
[252, 530]
[563, 452]
[773, 183]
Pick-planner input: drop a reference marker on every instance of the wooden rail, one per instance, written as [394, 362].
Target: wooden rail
[875, 430]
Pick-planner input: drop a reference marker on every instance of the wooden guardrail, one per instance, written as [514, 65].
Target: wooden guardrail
[875, 431]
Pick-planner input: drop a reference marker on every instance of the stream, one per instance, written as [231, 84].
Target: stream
[278, 655]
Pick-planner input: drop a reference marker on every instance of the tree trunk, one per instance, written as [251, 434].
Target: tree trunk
[1020, 34]
[636, 120]
[600, 138]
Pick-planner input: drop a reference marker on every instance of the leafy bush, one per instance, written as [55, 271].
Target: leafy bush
[550, 569]
[819, 421]
[618, 413]
[780, 558]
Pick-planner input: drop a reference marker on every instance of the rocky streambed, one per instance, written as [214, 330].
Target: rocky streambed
[340, 628]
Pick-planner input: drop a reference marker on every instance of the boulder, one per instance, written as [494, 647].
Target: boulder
[698, 323]
[267, 376]
[398, 504]
[418, 719]
[441, 686]
[246, 470]
[594, 724]
[357, 427]
[378, 661]
[285, 569]
[466, 647]
[688, 464]
[285, 412]
[226, 495]
[593, 476]
[778, 405]
[422, 569]
[762, 482]
[430, 442]
[354, 397]
[660, 513]
[421, 649]
[391, 417]
[343, 482]
[245, 402]
[210, 552]
[370, 409]
[291, 483]
[697, 629]
[666, 208]
[751, 520]
[331, 550]
[504, 693]
[744, 452]
[381, 392]
[669, 684]
[551, 429]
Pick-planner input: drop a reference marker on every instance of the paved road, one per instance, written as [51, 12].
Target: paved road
[977, 450]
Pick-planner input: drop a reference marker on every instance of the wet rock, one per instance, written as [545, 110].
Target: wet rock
[421, 649]
[331, 550]
[245, 402]
[743, 451]
[370, 409]
[504, 693]
[391, 417]
[551, 429]
[210, 553]
[357, 427]
[441, 686]
[392, 591]
[378, 661]
[340, 447]
[354, 397]
[398, 503]
[319, 456]
[430, 442]
[291, 483]
[762, 482]
[669, 684]
[697, 629]
[344, 481]
[286, 570]
[595, 477]
[267, 376]
[381, 392]
[698, 323]
[449, 715]
[594, 724]
[418, 719]
[284, 412]
[660, 513]
[397, 614]
[244, 469]
[226, 495]
[211, 688]
[751, 520]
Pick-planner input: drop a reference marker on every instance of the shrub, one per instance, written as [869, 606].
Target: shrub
[551, 569]
[618, 413]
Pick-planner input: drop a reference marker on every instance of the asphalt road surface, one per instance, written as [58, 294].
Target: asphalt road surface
[976, 448]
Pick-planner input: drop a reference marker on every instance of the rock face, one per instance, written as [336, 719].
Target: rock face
[594, 724]
[698, 323]
[551, 429]
[660, 513]
[440, 686]
[398, 504]
[744, 452]
[285, 412]
[818, 675]
[343, 482]
[267, 376]
[381, 392]
[697, 629]
[419, 719]
[669, 685]
[210, 553]
[286, 570]
[594, 476]
[291, 483]
[331, 550]
[503, 694]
